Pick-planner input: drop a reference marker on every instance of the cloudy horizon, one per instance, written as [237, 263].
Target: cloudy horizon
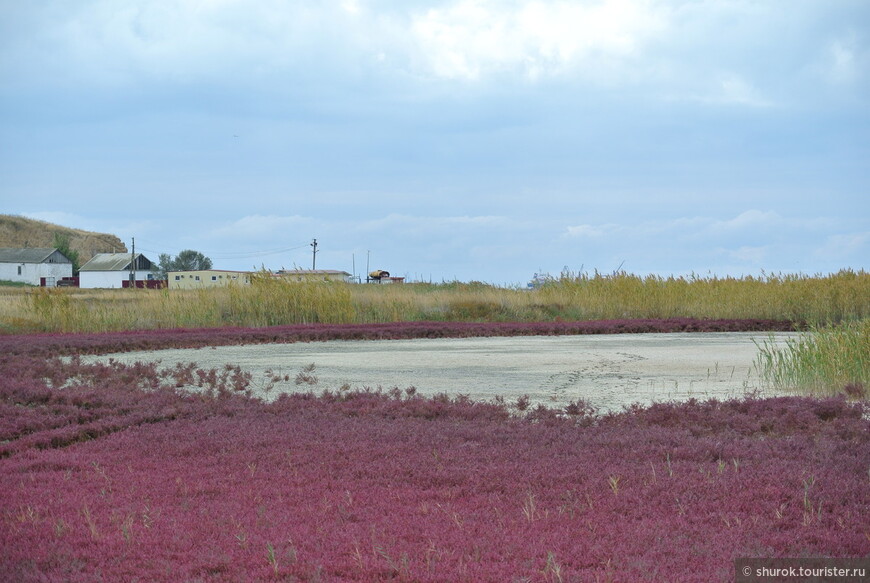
[457, 140]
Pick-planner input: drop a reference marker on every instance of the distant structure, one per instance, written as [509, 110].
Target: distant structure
[206, 278]
[36, 266]
[381, 276]
[114, 270]
[539, 280]
[314, 275]
[221, 277]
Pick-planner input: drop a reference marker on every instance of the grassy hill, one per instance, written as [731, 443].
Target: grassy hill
[16, 231]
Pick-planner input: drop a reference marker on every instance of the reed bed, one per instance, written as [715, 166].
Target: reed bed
[819, 300]
[821, 362]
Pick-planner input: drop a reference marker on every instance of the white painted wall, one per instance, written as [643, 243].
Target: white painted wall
[32, 272]
[109, 279]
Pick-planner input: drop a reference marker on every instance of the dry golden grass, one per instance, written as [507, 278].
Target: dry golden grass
[844, 296]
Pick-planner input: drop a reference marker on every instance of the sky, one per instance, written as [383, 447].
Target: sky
[470, 140]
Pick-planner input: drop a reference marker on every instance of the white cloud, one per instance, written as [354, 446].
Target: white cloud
[751, 219]
[472, 38]
[591, 231]
[661, 48]
[726, 89]
[845, 246]
[742, 244]
[736, 90]
[423, 226]
[754, 256]
[118, 43]
[843, 61]
[351, 6]
[754, 224]
[258, 227]
[768, 221]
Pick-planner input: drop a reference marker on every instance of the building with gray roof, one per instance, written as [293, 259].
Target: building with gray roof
[34, 265]
[111, 270]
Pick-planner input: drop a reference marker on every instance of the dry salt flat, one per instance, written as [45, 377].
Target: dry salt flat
[609, 370]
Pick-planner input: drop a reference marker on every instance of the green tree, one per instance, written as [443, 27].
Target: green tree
[61, 243]
[187, 260]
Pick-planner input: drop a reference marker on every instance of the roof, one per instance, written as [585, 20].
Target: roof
[31, 255]
[311, 272]
[208, 271]
[112, 262]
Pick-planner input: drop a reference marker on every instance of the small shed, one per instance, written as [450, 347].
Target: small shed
[112, 270]
[35, 266]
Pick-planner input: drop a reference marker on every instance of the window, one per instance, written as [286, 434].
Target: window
[197, 278]
[214, 278]
[19, 270]
[177, 277]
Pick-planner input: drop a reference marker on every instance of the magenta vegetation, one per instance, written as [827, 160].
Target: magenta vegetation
[112, 473]
[54, 344]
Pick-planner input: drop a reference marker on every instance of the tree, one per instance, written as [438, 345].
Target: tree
[61, 243]
[187, 260]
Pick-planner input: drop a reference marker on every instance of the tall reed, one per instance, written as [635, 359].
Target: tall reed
[823, 361]
[818, 299]
[839, 297]
[263, 303]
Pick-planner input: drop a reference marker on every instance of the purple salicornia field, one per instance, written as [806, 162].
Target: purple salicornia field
[108, 472]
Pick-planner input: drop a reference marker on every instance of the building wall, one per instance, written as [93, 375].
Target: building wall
[109, 279]
[32, 272]
[313, 276]
[209, 278]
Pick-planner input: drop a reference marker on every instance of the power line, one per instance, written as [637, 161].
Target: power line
[244, 254]
[239, 254]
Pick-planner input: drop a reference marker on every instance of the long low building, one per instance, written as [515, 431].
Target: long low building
[207, 278]
[220, 277]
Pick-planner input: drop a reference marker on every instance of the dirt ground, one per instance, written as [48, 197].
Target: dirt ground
[608, 371]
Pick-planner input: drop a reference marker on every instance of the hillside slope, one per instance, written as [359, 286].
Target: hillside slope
[17, 231]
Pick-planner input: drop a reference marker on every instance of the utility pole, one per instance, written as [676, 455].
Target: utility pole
[314, 254]
[133, 265]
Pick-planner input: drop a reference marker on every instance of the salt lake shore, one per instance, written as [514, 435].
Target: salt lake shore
[608, 371]
[117, 471]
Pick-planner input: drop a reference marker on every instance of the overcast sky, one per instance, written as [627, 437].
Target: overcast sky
[473, 140]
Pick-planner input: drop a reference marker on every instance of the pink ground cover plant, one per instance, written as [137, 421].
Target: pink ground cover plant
[68, 343]
[111, 473]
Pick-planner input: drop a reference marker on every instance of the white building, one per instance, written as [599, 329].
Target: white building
[36, 266]
[112, 270]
